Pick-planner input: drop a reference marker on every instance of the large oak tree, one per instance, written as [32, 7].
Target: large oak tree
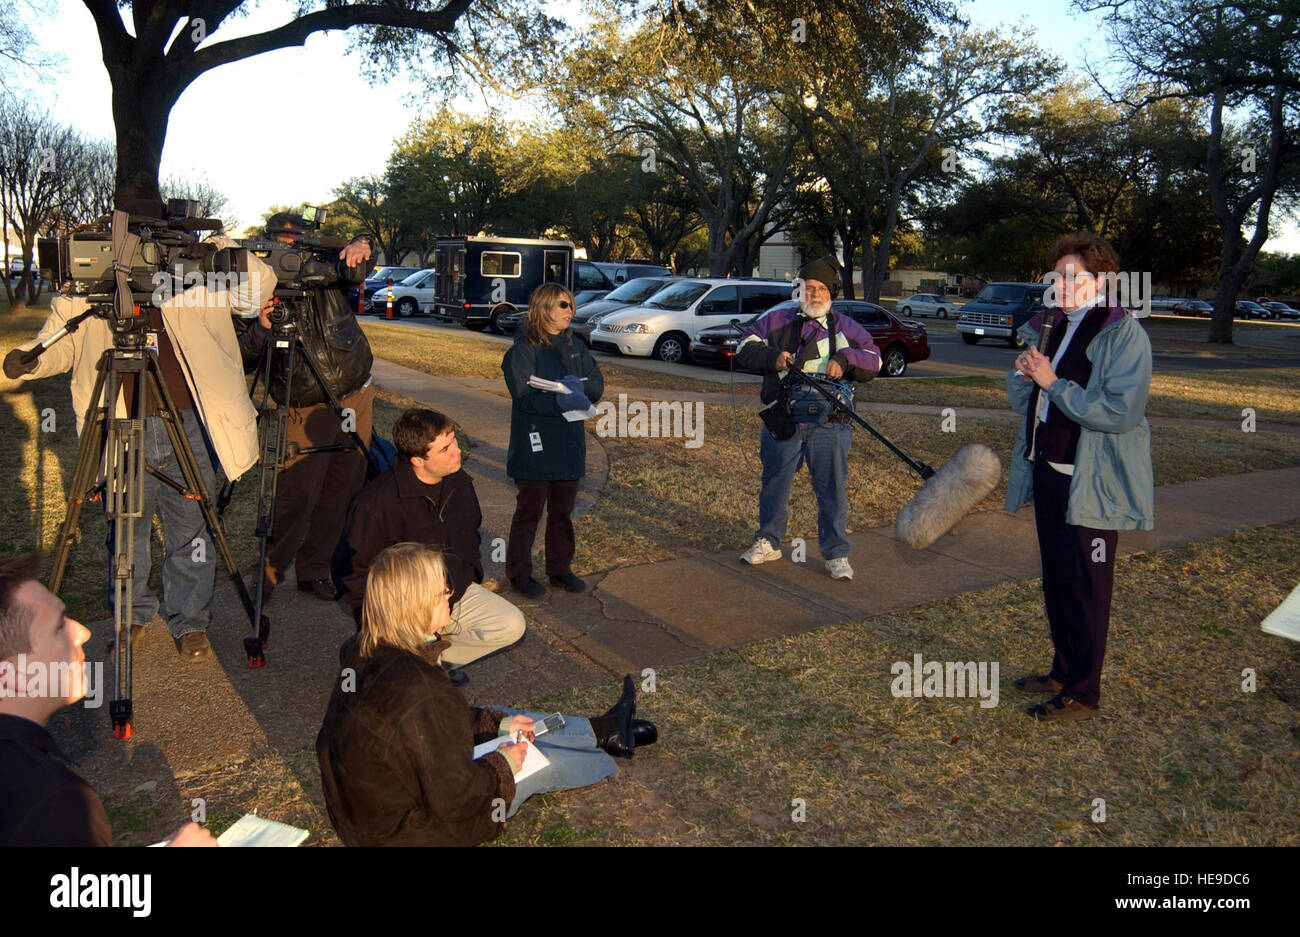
[173, 42]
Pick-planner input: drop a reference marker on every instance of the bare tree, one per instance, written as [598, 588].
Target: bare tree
[212, 202]
[37, 162]
[18, 46]
[94, 173]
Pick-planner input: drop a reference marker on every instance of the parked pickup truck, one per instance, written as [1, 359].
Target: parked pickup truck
[999, 311]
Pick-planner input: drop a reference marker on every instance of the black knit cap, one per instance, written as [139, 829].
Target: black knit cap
[283, 222]
[822, 271]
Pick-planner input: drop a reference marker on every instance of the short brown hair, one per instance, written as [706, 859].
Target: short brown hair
[416, 428]
[16, 616]
[404, 585]
[1097, 254]
[539, 310]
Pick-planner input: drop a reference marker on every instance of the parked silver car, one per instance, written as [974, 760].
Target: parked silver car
[925, 304]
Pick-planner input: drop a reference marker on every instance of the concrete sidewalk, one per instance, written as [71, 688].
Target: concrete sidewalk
[196, 717]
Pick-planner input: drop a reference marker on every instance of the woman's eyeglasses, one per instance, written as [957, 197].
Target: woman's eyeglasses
[564, 304]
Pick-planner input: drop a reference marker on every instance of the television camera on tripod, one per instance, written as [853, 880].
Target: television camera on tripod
[144, 325]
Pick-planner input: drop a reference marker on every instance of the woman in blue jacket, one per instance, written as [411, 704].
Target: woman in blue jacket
[547, 455]
[1083, 456]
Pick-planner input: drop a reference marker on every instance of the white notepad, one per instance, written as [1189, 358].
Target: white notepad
[252, 830]
[534, 760]
[1284, 620]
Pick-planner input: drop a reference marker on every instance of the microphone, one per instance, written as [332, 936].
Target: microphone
[1049, 322]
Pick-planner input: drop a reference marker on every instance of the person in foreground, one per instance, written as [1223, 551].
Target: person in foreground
[1083, 456]
[396, 747]
[547, 456]
[43, 802]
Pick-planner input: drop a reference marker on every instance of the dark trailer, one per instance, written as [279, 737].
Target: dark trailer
[481, 279]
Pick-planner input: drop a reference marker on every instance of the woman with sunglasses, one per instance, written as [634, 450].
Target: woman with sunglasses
[547, 455]
[396, 750]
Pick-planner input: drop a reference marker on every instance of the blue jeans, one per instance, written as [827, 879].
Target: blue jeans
[189, 569]
[825, 447]
[575, 759]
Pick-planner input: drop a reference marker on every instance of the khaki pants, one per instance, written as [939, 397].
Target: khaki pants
[481, 622]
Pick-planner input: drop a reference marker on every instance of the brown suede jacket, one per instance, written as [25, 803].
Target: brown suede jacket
[396, 755]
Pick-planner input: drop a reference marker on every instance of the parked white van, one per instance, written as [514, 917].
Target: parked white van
[666, 324]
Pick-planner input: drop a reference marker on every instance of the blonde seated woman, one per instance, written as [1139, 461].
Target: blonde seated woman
[396, 748]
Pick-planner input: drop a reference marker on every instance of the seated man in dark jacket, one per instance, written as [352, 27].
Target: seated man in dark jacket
[814, 340]
[426, 497]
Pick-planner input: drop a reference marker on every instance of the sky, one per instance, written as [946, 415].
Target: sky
[317, 94]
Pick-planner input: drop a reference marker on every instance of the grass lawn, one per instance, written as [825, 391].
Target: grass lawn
[452, 355]
[1180, 755]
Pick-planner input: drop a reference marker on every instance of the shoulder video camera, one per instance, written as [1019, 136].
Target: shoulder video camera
[301, 258]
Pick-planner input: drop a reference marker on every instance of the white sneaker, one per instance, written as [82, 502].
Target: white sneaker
[839, 568]
[760, 552]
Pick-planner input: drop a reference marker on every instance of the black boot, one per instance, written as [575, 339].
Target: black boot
[614, 730]
[644, 732]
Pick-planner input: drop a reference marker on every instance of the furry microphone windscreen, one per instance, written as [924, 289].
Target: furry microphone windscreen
[948, 496]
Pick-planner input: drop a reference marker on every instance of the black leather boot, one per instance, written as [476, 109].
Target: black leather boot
[614, 730]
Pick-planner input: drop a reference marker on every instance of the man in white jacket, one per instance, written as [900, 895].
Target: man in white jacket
[193, 336]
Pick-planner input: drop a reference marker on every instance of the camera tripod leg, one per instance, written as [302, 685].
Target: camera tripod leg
[125, 464]
[272, 458]
[116, 445]
[85, 476]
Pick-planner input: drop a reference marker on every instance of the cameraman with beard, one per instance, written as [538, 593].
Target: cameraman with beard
[313, 490]
[814, 339]
[192, 334]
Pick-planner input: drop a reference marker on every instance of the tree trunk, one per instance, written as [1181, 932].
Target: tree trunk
[875, 274]
[847, 242]
[1232, 273]
[719, 261]
[142, 104]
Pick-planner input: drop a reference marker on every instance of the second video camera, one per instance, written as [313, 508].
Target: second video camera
[301, 258]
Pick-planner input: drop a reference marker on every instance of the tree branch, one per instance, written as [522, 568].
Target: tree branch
[295, 32]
